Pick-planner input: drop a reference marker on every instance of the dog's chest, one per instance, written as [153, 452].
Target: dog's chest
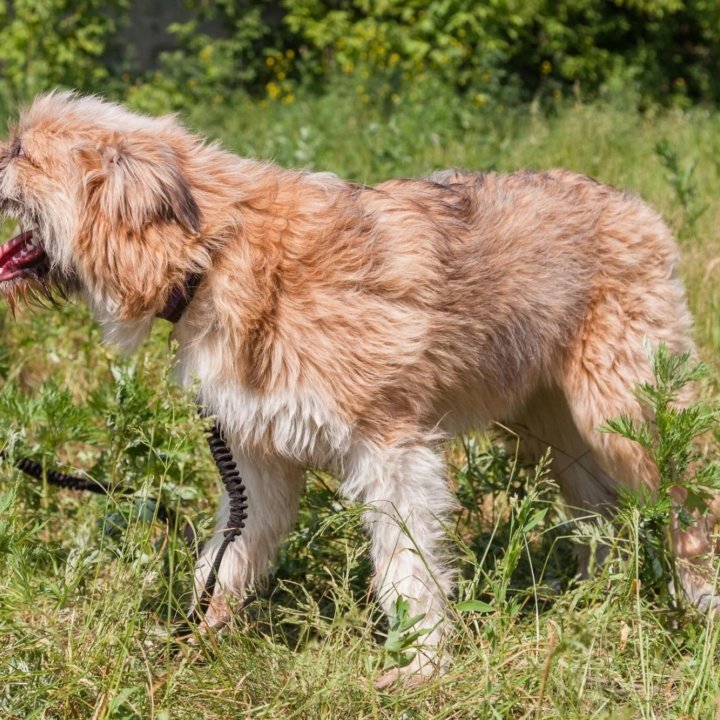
[292, 423]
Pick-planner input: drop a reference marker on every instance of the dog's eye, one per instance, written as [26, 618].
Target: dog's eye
[17, 149]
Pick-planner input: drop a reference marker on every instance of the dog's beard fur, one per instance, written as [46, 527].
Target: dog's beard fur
[39, 287]
[352, 327]
[34, 291]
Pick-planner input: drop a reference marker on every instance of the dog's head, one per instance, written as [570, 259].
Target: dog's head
[104, 202]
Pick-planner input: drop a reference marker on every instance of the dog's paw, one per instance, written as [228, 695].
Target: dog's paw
[217, 615]
[220, 611]
[701, 585]
[397, 678]
[423, 668]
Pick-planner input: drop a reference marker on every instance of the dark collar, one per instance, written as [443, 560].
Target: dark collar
[180, 298]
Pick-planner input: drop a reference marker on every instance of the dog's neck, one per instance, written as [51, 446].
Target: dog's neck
[179, 298]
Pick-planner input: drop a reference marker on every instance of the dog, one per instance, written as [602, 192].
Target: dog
[355, 328]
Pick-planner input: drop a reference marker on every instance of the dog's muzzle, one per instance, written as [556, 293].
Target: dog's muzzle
[22, 257]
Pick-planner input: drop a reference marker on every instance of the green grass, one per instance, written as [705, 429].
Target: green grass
[84, 606]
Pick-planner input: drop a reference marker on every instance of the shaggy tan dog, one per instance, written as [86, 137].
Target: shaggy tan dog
[355, 327]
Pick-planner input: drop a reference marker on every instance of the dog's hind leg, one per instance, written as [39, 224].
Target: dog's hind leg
[408, 501]
[587, 490]
[599, 377]
[273, 493]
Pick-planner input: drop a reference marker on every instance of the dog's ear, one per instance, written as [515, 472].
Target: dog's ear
[133, 245]
[136, 179]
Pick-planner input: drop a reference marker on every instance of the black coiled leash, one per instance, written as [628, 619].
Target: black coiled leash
[69, 482]
[174, 308]
[238, 504]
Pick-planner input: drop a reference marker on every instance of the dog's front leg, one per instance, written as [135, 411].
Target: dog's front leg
[408, 500]
[273, 491]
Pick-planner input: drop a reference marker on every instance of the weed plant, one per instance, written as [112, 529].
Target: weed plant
[669, 434]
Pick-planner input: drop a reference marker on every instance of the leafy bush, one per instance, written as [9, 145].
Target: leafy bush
[205, 67]
[498, 51]
[664, 47]
[45, 43]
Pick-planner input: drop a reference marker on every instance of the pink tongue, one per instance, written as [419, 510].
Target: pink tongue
[18, 255]
[11, 247]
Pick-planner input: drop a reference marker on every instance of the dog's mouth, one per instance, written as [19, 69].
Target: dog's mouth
[22, 257]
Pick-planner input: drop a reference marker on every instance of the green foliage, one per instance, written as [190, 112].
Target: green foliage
[683, 182]
[665, 48]
[463, 44]
[401, 638]
[685, 483]
[521, 530]
[497, 52]
[45, 43]
[204, 68]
